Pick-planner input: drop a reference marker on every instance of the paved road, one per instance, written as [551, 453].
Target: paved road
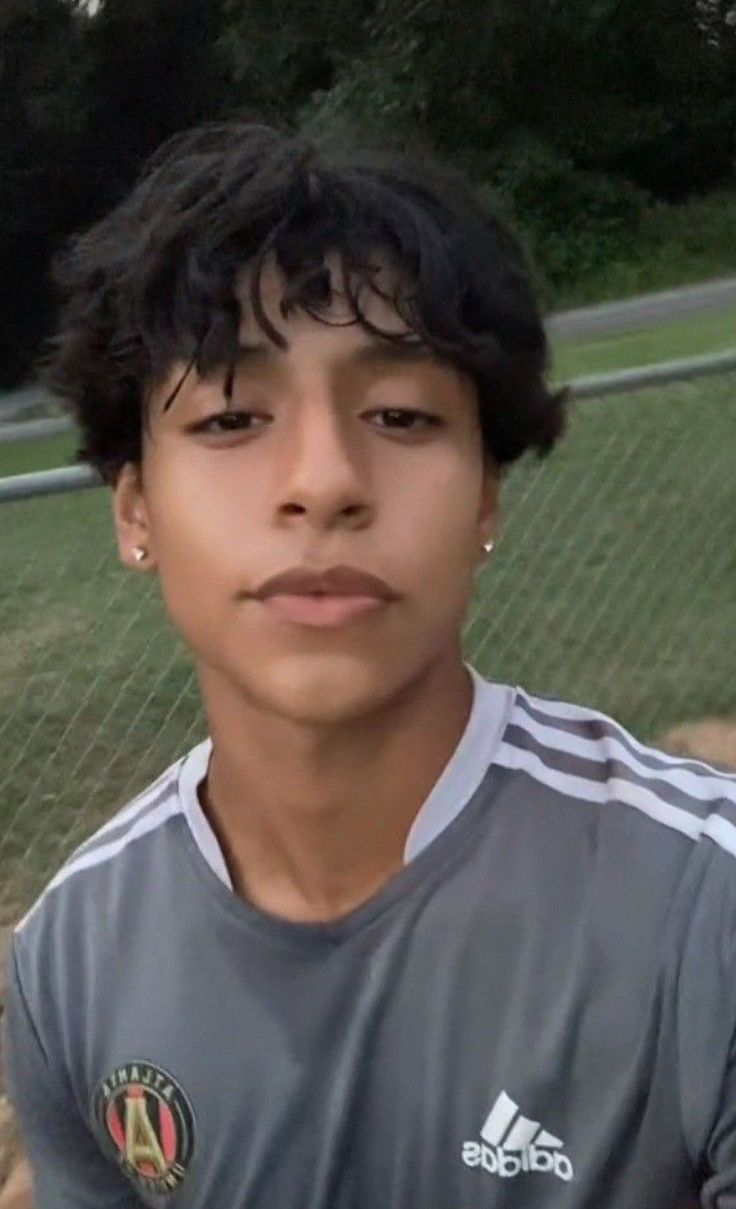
[648, 310]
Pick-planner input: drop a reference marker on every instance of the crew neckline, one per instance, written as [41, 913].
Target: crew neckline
[453, 790]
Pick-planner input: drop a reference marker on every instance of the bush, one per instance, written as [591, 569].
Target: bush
[572, 222]
[674, 245]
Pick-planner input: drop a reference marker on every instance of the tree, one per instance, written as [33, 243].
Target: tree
[86, 94]
[153, 68]
[40, 119]
[638, 91]
[571, 112]
[284, 53]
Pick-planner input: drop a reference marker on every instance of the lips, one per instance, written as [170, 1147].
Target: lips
[322, 611]
[326, 598]
[335, 581]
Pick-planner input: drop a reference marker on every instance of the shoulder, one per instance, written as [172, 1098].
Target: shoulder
[88, 882]
[102, 910]
[591, 760]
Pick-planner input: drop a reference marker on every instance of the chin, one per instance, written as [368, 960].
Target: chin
[324, 689]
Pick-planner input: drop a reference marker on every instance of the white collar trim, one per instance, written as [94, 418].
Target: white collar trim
[467, 766]
[457, 783]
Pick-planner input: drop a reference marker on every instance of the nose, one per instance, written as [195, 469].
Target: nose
[324, 476]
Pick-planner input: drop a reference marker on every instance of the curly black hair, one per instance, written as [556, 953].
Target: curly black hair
[154, 281]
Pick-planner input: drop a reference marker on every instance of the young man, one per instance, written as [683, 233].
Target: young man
[393, 935]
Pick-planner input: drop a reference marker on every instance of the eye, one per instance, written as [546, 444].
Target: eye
[396, 419]
[404, 419]
[228, 421]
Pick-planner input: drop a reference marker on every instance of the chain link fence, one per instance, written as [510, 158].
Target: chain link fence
[613, 584]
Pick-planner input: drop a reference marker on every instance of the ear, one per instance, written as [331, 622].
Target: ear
[131, 519]
[489, 502]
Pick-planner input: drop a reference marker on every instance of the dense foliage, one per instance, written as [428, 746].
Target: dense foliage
[580, 118]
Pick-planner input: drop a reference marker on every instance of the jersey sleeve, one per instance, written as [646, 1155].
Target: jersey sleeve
[719, 1188]
[69, 1170]
[706, 1008]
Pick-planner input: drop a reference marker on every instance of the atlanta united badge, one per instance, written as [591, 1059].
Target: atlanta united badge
[147, 1116]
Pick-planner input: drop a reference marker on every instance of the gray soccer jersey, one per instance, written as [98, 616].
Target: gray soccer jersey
[538, 1010]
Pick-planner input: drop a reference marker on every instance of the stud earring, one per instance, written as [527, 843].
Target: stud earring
[488, 546]
[139, 554]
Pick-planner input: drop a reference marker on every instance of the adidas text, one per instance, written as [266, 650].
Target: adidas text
[498, 1161]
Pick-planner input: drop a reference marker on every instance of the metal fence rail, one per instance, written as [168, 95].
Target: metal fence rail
[595, 386]
[48, 482]
[613, 583]
[34, 430]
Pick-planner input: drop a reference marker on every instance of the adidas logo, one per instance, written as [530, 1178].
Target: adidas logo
[512, 1144]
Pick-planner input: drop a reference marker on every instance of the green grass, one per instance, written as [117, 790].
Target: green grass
[23, 457]
[692, 337]
[615, 581]
[95, 692]
[613, 584]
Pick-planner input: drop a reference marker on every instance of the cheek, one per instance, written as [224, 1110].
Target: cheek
[203, 539]
[189, 527]
[441, 506]
[198, 500]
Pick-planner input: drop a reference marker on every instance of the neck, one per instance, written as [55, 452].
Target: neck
[313, 821]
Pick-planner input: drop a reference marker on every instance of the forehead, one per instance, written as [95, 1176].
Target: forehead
[334, 313]
[332, 336]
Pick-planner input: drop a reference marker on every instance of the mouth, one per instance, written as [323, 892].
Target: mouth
[322, 610]
[333, 596]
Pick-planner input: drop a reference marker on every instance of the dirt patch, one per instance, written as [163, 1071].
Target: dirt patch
[712, 740]
[15, 1179]
[9, 1143]
[6, 933]
[18, 1191]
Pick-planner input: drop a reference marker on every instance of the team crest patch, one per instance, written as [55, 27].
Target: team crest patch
[147, 1116]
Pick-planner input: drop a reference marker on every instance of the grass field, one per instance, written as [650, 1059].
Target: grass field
[614, 584]
[692, 337]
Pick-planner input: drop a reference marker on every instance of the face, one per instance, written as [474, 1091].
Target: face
[333, 452]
